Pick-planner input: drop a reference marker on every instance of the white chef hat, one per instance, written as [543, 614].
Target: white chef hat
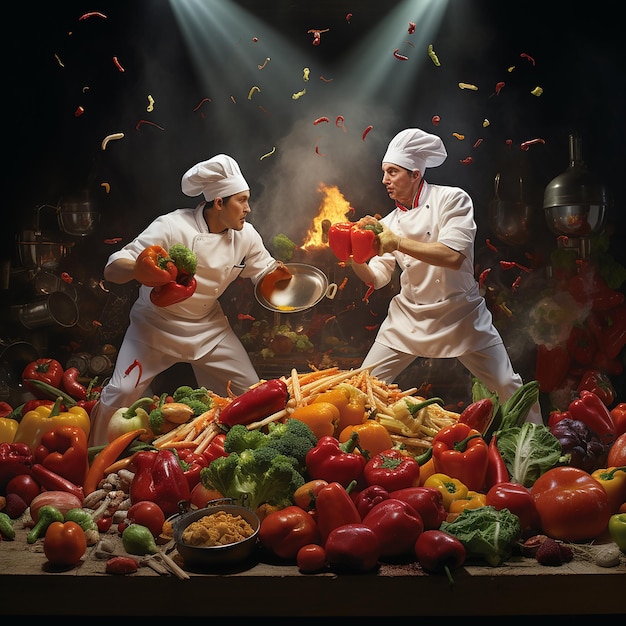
[415, 149]
[218, 177]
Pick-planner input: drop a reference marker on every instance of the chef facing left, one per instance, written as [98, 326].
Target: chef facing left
[194, 330]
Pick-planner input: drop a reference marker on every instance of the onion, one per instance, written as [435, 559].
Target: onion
[61, 500]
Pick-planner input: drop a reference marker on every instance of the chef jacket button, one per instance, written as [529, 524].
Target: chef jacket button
[215, 290]
[437, 281]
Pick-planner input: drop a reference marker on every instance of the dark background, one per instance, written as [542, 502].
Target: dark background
[55, 62]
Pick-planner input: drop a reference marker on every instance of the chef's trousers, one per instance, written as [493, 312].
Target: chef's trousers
[492, 366]
[226, 366]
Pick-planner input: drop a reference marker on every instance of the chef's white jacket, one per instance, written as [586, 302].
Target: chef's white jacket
[438, 312]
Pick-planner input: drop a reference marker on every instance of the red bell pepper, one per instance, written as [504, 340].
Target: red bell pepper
[71, 385]
[551, 366]
[15, 459]
[263, 400]
[154, 267]
[160, 479]
[352, 548]
[46, 370]
[590, 409]
[366, 499]
[589, 288]
[461, 452]
[192, 464]
[364, 242]
[439, 552]
[618, 415]
[397, 525]
[215, 449]
[581, 344]
[339, 240]
[336, 462]
[392, 469]
[175, 291]
[334, 507]
[598, 382]
[427, 501]
[613, 338]
[5, 409]
[64, 450]
[282, 533]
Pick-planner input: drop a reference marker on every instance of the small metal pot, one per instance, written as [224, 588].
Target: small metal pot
[77, 215]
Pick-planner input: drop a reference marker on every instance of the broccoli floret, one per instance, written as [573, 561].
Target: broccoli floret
[184, 391]
[156, 421]
[254, 477]
[198, 407]
[283, 247]
[184, 258]
[239, 438]
[293, 438]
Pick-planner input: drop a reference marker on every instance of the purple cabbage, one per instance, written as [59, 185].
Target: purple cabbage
[581, 446]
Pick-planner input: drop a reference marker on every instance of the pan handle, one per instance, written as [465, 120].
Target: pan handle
[331, 291]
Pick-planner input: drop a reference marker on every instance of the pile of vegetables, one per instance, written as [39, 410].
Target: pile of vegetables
[345, 472]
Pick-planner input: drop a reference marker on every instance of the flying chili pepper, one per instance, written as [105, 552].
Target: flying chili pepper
[435, 120]
[412, 26]
[245, 316]
[490, 245]
[522, 267]
[400, 57]
[65, 277]
[92, 14]
[201, 103]
[516, 283]
[507, 265]
[131, 367]
[319, 120]
[113, 240]
[531, 142]
[339, 123]
[348, 17]
[527, 56]
[483, 276]
[369, 292]
[467, 160]
[118, 64]
[477, 143]
[327, 80]
[79, 111]
[366, 132]
[499, 87]
[140, 122]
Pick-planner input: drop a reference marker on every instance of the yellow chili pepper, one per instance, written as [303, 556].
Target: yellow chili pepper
[351, 404]
[45, 418]
[451, 488]
[473, 500]
[321, 417]
[613, 479]
[373, 436]
[8, 428]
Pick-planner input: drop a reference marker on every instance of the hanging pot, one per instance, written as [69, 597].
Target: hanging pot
[55, 309]
[510, 220]
[77, 215]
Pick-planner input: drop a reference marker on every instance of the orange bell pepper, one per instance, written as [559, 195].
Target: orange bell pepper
[613, 479]
[427, 470]
[373, 436]
[321, 417]
[473, 500]
[351, 404]
[154, 267]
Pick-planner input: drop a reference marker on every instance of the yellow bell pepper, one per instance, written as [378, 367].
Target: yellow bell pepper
[613, 479]
[8, 428]
[42, 419]
[473, 500]
[451, 488]
[373, 436]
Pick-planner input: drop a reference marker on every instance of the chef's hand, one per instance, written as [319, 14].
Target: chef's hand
[387, 241]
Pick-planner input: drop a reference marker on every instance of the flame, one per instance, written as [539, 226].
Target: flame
[334, 208]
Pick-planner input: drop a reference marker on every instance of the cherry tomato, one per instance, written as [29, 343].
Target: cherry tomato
[518, 499]
[64, 543]
[25, 486]
[104, 523]
[311, 558]
[572, 505]
[148, 514]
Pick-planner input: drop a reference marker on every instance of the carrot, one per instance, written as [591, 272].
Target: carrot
[107, 457]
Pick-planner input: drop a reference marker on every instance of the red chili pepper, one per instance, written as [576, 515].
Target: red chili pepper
[479, 415]
[175, 291]
[590, 409]
[483, 276]
[51, 481]
[527, 56]
[369, 292]
[118, 64]
[366, 132]
[140, 122]
[507, 265]
[499, 87]
[400, 57]
[319, 120]
[263, 400]
[333, 461]
[497, 471]
[71, 385]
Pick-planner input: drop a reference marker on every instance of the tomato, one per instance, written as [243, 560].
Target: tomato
[311, 558]
[572, 505]
[518, 499]
[285, 531]
[45, 370]
[617, 452]
[148, 514]
[104, 523]
[200, 495]
[25, 486]
[64, 543]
